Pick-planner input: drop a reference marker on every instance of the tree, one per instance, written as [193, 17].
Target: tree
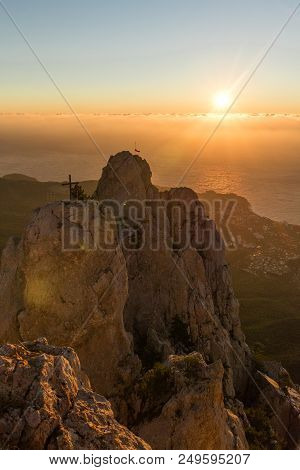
[77, 192]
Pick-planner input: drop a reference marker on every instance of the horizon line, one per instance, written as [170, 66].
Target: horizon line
[147, 114]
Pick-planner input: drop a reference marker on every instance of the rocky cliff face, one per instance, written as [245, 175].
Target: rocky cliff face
[178, 371]
[46, 405]
[182, 405]
[180, 296]
[276, 404]
[73, 297]
[265, 267]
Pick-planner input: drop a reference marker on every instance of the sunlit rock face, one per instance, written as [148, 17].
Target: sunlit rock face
[180, 296]
[71, 295]
[182, 406]
[126, 177]
[149, 309]
[46, 403]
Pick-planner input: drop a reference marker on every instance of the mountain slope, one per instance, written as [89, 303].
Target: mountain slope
[265, 265]
[264, 257]
[179, 373]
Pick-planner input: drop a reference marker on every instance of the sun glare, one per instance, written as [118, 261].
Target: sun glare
[221, 100]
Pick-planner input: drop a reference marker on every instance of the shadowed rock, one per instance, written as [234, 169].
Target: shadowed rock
[180, 297]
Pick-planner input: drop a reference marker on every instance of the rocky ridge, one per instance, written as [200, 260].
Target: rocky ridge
[134, 314]
[172, 289]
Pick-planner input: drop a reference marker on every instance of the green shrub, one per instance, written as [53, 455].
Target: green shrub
[260, 434]
[155, 389]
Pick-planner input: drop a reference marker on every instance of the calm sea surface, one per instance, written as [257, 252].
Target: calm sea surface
[272, 193]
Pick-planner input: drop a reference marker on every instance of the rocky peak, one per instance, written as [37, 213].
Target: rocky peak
[126, 176]
[160, 309]
[180, 297]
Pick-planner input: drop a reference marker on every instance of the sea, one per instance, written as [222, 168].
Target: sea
[272, 193]
[254, 156]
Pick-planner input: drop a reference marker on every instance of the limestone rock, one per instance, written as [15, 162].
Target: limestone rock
[44, 404]
[126, 176]
[179, 284]
[74, 297]
[182, 407]
[281, 404]
[277, 372]
[163, 274]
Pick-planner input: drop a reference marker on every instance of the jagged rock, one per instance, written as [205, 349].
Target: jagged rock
[180, 291]
[182, 407]
[44, 404]
[73, 297]
[281, 407]
[165, 276]
[277, 372]
[126, 177]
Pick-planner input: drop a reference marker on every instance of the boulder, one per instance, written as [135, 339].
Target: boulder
[45, 404]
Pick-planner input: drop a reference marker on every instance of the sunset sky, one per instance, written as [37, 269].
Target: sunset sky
[161, 74]
[148, 57]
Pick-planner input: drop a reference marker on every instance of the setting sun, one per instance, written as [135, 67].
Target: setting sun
[221, 100]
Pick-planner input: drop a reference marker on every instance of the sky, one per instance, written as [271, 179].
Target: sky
[163, 56]
[149, 72]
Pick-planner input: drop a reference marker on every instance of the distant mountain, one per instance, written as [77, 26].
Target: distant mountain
[19, 197]
[18, 177]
